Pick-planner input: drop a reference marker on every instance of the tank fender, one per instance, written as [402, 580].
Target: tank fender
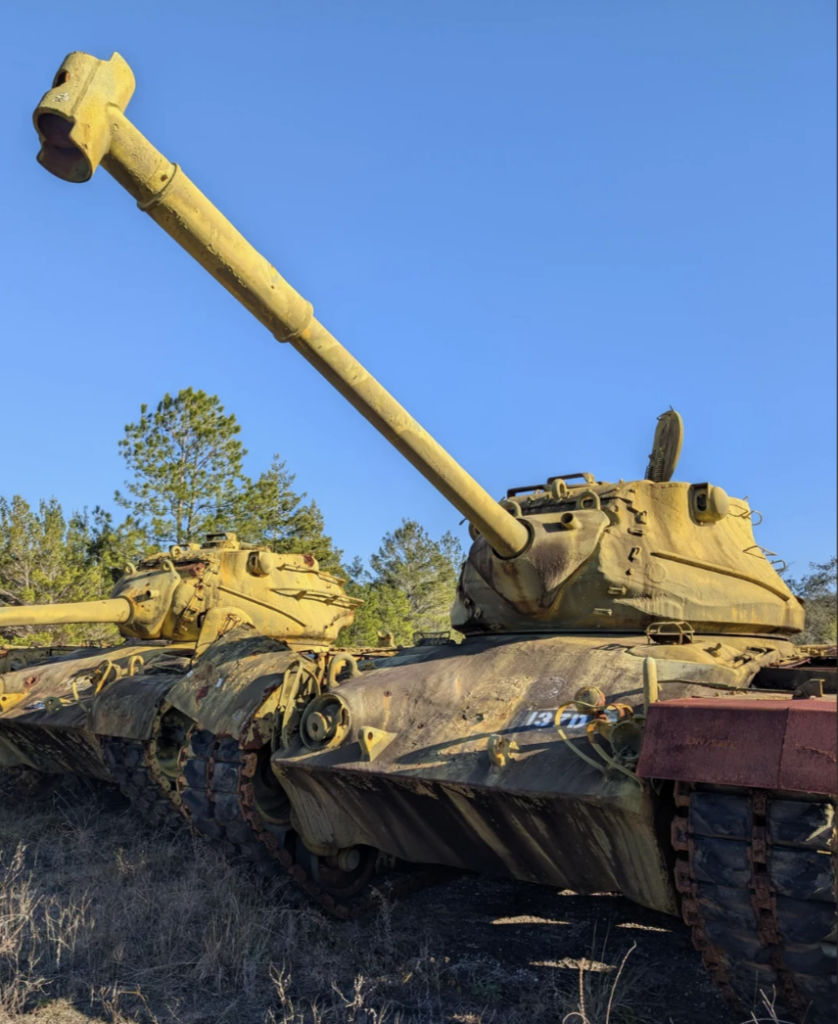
[743, 741]
[128, 707]
[231, 682]
[11, 756]
[55, 741]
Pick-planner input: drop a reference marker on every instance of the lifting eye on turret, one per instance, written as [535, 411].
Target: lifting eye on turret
[708, 504]
[512, 507]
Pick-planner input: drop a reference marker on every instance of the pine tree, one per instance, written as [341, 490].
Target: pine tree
[111, 547]
[271, 512]
[383, 618]
[44, 560]
[818, 590]
[424, 570]
[187, 464]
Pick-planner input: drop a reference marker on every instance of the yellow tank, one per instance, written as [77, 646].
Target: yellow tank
[187, 593]
[605, 725]
[564, 558]
[104, 712]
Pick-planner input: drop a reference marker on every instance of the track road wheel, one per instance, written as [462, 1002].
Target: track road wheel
[146, 770]
[342, 875]
[756, 871]
[216, 787]
[358, 879]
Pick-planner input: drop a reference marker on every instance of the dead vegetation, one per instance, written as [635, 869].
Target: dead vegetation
[102, 920]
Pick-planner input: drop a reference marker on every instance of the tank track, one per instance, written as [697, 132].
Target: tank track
[132, 768]
[209, 784]
[218, 795]
[387, 882]
[756, 873]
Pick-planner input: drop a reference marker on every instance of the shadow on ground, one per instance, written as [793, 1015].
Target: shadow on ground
[101, 919]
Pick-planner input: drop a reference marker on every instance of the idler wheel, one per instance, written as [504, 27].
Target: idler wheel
[343, 874]
[325, 722]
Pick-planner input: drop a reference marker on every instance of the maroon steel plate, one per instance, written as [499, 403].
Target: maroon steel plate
[769, 744]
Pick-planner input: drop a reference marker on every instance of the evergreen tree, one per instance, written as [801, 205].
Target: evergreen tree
[187, 464]
[818, 590]
[111, 547]
[44, 560]
[424, 570]
[271, 512]
[384, 617]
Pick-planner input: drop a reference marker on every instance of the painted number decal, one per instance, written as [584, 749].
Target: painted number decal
[545, 719]
[570, 719]
[540, 719]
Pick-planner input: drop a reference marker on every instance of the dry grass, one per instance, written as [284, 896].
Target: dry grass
[102, 920]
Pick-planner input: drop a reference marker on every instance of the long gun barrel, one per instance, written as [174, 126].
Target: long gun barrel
[81, 123]
[115, 610]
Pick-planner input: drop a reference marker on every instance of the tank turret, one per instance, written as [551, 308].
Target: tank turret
[620, 557]
[192, 593]
[565, 557]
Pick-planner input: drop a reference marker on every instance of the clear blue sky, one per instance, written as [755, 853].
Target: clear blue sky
[539, 224]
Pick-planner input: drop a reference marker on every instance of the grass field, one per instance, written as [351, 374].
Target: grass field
[103, 920]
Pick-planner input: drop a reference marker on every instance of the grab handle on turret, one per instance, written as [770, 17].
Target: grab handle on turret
[81, 123]
[115, 610]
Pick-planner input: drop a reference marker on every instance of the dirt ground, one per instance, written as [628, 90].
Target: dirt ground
[103, 920]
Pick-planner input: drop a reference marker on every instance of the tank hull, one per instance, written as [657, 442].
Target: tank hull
[590, 838]
[435, 793]
[56, 719]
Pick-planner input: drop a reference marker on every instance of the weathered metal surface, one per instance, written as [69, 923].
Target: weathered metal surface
[798, 672]
[619, 557]
[476, 770]
[57, 677]
[12, 659]
[232, 682]
[128, 707]
[114, 610]
[56, 742]
[770, 744]
[600, 840]
[434, 793]
[808, 759]
[52, 726]
[666, 447]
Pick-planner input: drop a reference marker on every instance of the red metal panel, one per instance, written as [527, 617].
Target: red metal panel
[767, 744]
[808, 761]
